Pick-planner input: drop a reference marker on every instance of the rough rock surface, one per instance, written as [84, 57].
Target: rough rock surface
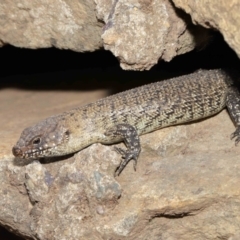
[186, 185]
[65, 24]
[221, 15]
[140, 33]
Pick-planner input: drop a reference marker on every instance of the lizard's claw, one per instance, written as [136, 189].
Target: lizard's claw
[126, 157]
[130, 137]
[236, 135]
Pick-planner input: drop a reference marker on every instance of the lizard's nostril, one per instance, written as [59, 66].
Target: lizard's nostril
[16, 151]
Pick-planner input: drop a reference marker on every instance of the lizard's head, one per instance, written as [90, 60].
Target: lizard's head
[41, 140]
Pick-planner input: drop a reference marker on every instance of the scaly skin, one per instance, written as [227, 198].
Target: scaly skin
[126, 115]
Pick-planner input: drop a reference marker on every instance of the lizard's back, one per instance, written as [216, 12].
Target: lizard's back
[157, 105]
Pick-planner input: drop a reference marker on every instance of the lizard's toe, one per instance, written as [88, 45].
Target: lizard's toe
[120, 151]
[236, 135]
[126, 156]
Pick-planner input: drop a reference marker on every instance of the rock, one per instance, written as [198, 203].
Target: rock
[185, 186]
[140, 33]
[41, 24]
[235, 237]
[221, 15]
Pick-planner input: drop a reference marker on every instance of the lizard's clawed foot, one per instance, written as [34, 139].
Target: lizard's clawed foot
[131, 139]
[126, 156]
[236, 135]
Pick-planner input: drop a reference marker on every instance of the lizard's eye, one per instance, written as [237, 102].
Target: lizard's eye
[36, 140]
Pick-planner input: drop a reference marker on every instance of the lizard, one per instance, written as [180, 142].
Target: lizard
[127, 115]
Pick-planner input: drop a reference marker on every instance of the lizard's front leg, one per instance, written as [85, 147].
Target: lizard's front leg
[233, 105]
[132, 142]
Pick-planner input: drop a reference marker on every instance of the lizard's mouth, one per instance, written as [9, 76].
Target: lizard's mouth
[27, 153]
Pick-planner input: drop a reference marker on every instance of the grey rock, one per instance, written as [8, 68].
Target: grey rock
[40, 24]
[140, 33]
[223, 16]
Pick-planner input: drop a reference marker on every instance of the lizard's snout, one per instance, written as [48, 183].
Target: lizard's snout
[16, 151]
